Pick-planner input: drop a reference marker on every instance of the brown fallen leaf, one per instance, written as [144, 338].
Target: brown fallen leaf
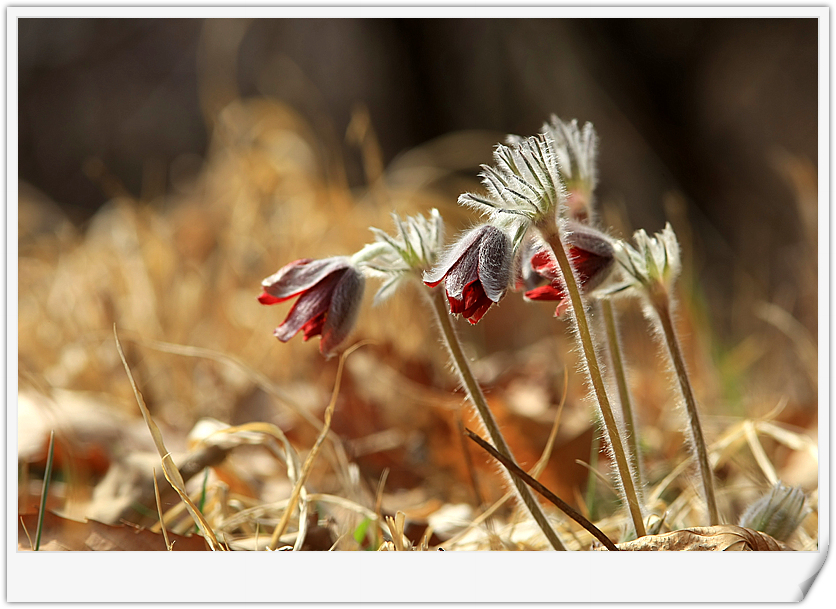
[61, 533]
[720, 538]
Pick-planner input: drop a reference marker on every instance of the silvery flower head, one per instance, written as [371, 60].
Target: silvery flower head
[414, 249]
[653, 264]
[778, 513]
[524, 187]
[575, 154]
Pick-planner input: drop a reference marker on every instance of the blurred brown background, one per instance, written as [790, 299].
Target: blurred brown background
[713, 109]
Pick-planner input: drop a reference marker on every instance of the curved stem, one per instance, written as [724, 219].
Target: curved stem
[623, 390]
[477, 398]
[661, 304]
[552, 237]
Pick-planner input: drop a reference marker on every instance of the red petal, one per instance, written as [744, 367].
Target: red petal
[546, 292]
[480, 311]
[456, 305]
[305, 312]
[588, 264]
[543, 263]
[476, 302]
[267, 299]
[313, 327]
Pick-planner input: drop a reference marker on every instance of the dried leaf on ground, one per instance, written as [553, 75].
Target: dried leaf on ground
[720, 538]
[61, 533]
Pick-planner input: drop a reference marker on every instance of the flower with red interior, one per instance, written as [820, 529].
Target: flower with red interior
[592, 256]
[475, 271]
[330, 292]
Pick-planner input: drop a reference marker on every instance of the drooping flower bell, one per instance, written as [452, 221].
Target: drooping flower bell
[475, 271]
[330, 293]
[592, 256]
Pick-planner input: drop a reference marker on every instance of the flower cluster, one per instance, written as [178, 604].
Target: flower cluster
[537, 186]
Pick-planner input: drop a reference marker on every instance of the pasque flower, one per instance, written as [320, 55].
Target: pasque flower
[592, 256]
[475, 271]
[330, 292]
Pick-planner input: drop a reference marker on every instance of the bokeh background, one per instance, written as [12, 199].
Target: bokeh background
[167, 165]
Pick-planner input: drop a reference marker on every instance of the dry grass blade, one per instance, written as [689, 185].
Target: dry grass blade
[547, 451]
[721, 538]
[256, 433]
[172, 474]
[517, 471]
[160, 511]
[396, 531]
[306, 468]
[759, 453]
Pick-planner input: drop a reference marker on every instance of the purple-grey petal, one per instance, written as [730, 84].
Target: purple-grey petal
[452, 256]
[342, 313]
[589, 239]
[495, 263]
[312, 303]
[301, 275]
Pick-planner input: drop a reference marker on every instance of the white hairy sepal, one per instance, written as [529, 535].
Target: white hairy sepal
[397, 258]
[526, 181]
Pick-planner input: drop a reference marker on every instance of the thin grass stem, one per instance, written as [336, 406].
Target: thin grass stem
[168, 545]
[47, 476]
[623, 390]
[594, 370]
[591, 479]
[661, 305]
[477, 398]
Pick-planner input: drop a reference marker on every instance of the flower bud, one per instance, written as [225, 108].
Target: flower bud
[654, 263]
[778, 513]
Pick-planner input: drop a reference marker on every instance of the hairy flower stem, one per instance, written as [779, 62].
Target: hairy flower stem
[661, 304]
[552, 237]
[474, 393]
[621, 382]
